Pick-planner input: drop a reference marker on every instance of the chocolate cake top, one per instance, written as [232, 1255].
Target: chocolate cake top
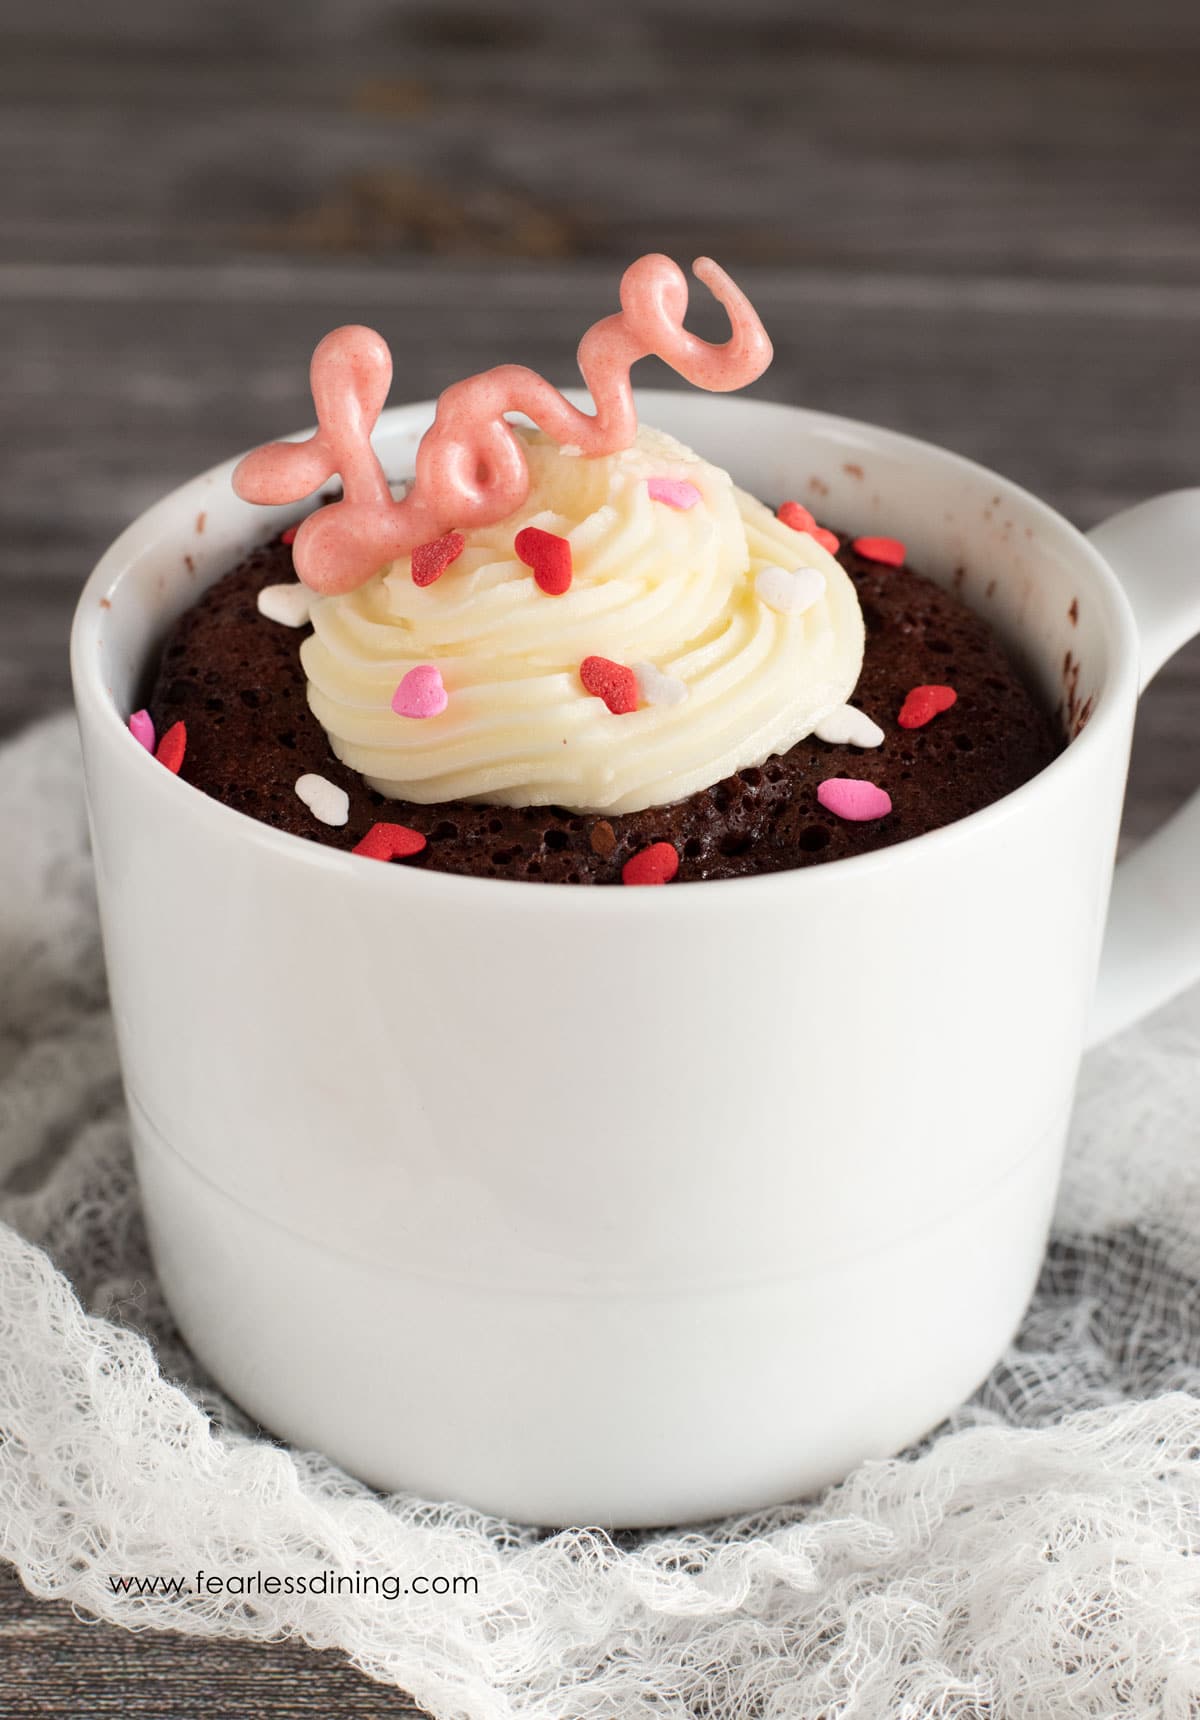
[234, 678]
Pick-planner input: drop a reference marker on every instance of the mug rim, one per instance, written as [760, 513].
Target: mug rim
[96, 706]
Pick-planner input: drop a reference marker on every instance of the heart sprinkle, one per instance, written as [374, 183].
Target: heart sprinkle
[923, 704]
[657, 864]
[324, 799]
[290, 604]
[790, 593]
[848, 727]
[612, 682]
[657, 688]
[792, 514]
[390, 842]
[675, 492]
[172, 748]
[888, 551]
[800, 520]
[430, 560]
[141, 727]
[549, 556]
[421, 693]
[289, 536]
[852, 800]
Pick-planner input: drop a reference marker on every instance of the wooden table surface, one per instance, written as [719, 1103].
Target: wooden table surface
[974, 222]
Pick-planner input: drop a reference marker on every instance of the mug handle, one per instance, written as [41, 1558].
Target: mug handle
[1152, 941]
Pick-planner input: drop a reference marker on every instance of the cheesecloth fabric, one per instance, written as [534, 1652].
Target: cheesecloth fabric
[1036, 1557]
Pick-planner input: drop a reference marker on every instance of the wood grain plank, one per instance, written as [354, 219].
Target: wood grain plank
[1084, 394]
[958, 141]
[53, 1666]
[1114, 30]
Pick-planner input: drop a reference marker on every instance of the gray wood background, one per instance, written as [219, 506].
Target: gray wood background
[977, 222]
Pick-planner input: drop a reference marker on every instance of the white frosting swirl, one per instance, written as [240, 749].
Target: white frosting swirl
[674, 589]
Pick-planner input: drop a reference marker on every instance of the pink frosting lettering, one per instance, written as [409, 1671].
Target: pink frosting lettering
[470, 465]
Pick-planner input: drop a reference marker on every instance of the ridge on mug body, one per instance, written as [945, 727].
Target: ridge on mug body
[641, 1206]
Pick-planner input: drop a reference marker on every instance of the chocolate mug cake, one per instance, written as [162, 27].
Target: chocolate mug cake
[409, 1136]
[577, 653]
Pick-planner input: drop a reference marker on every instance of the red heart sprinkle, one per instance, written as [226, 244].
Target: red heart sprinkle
[430, 560]
[800, 520]
[612, 682]
[549, 556]
[390, 842]
[172, 747]
[792, 514]
[657, 864]
[923, 704]
[889, 551]
[289, 536]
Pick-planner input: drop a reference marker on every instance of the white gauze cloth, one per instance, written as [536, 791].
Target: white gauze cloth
[1036, 1557]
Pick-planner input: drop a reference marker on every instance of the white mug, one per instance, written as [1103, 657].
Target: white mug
[638, 1206]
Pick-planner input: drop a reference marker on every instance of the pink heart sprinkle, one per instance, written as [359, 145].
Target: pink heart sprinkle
[141, 727]
[675, 492]
[856, 801]
[421, 693]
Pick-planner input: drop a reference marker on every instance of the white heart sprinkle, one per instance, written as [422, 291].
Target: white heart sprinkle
[790, 593]
[571, 451]
[848, 727]
[659, 689]
[324, 799]
[289, 604]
